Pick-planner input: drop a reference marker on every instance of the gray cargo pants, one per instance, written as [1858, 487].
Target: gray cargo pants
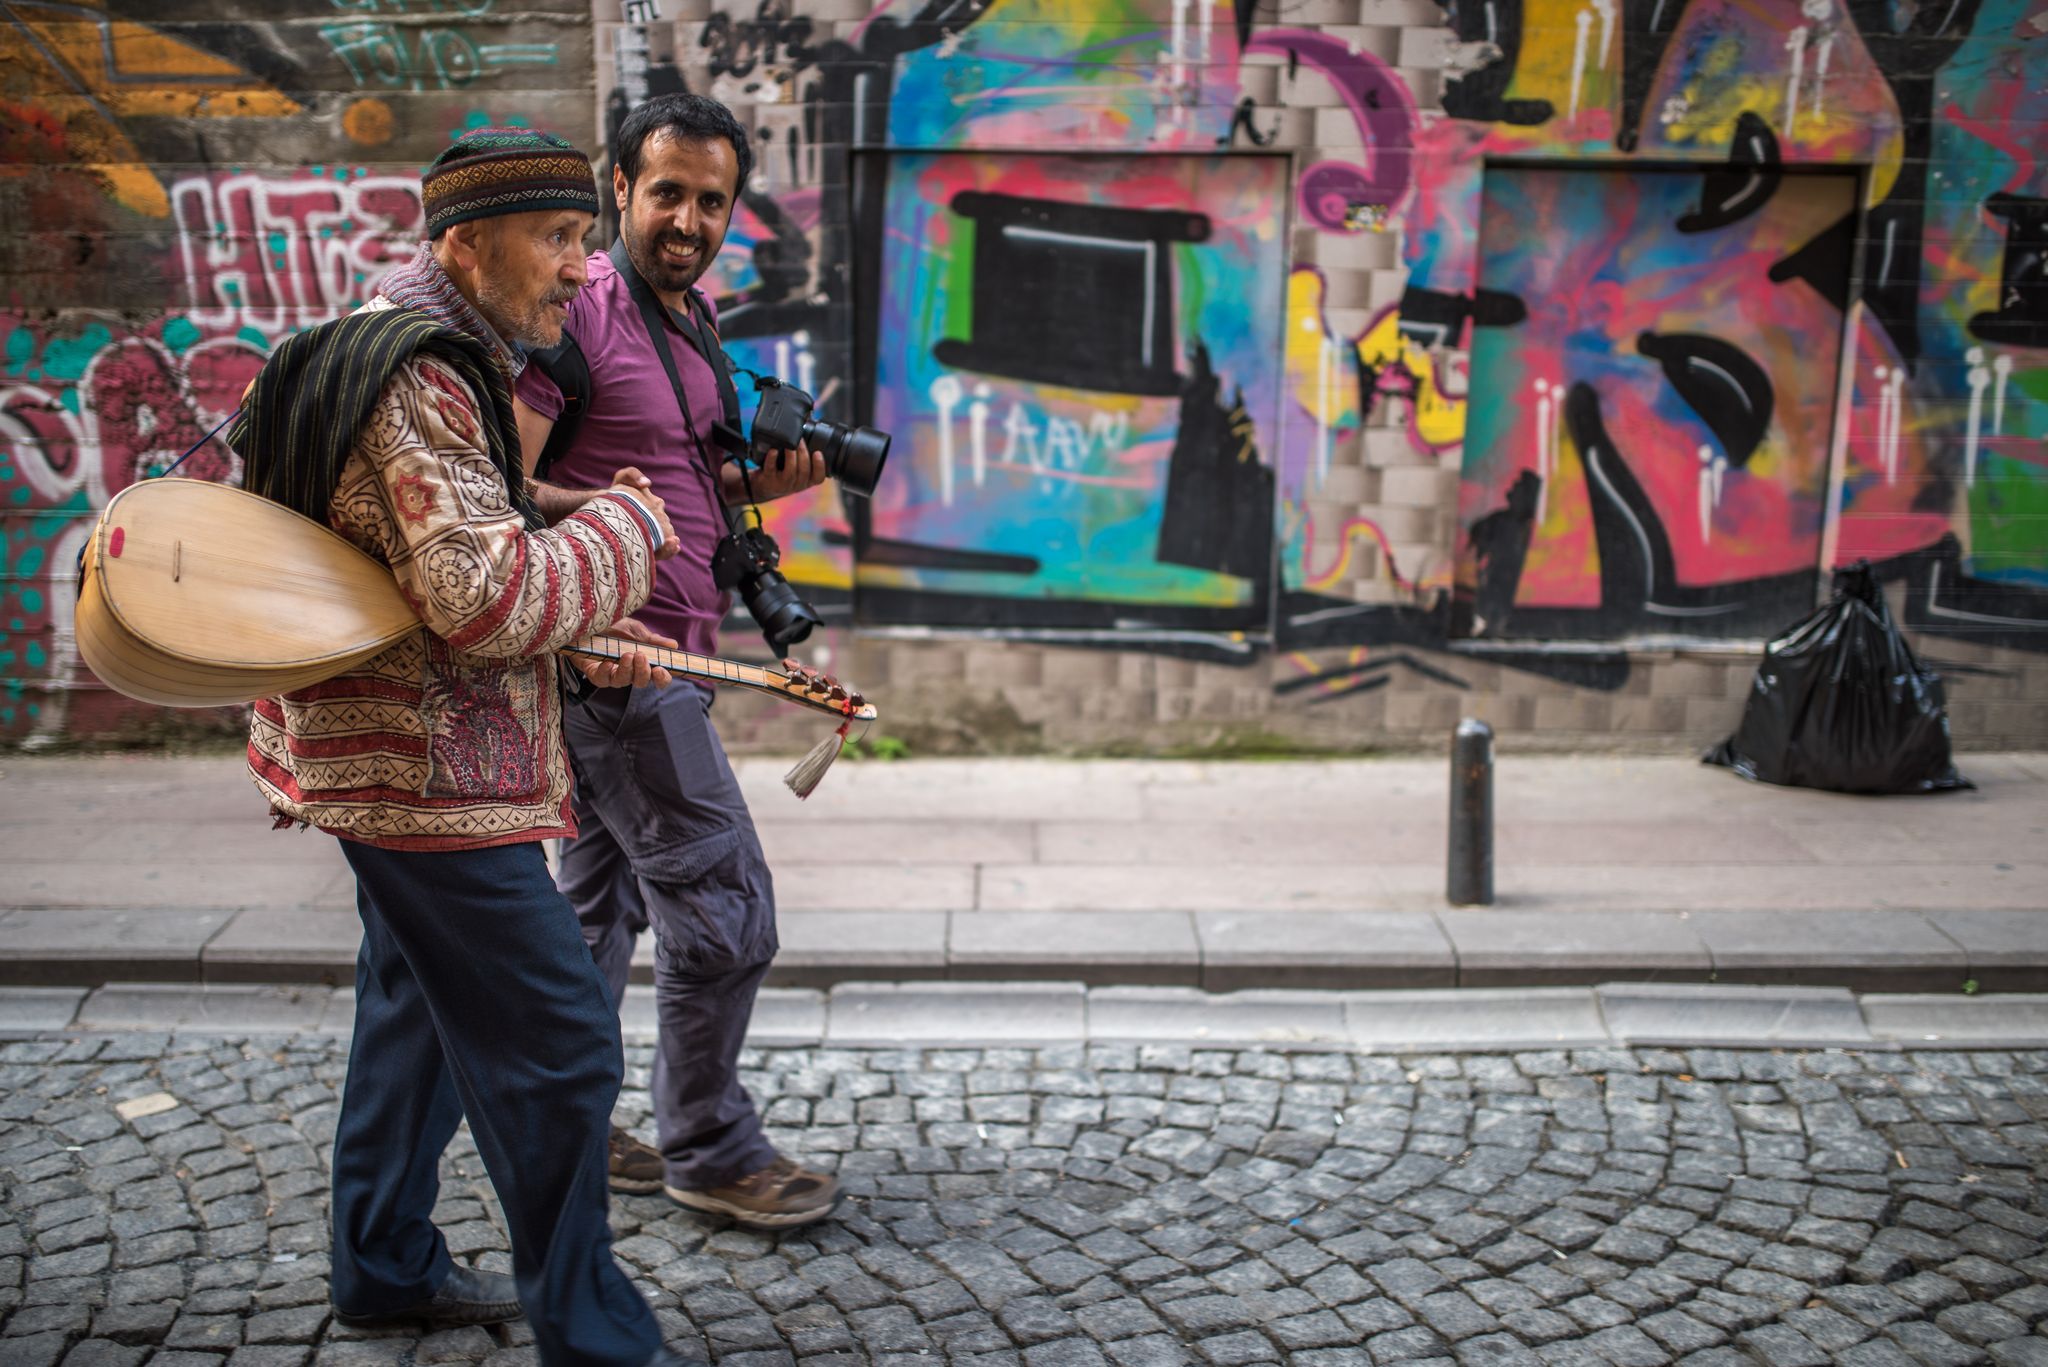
[664, 839]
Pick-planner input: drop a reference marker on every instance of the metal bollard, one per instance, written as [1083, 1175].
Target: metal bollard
[1469, 879]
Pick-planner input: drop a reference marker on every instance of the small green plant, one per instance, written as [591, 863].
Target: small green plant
[1249, 745]
[883, 747]
[1969, 987]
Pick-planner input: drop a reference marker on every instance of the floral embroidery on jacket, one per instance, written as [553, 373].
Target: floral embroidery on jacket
[413, 497]
[452, 737]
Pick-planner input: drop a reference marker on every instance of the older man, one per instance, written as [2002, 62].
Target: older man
[440, 762]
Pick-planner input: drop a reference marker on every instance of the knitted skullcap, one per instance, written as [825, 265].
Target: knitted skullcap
[491, 171]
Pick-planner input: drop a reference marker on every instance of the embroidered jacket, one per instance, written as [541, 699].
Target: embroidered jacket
[451, 739]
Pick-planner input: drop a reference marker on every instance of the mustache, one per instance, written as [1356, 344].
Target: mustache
[561, 294]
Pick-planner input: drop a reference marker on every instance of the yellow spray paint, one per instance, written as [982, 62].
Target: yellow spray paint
[85, 74]
[1439, 418]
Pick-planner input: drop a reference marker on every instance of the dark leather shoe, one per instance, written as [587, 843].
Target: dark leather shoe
[466, 1297]
[631, 1164]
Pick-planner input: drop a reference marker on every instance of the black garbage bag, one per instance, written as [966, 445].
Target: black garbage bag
[1840, 702]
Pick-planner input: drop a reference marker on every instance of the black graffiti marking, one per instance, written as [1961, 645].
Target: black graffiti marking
[1380, 665]
[1909, 59]
[1942, 596]
[1718, 380]
[1437, 318]
[1073, 294]
[1731, 193]
[882, 42]
[2021, 318]
[917, 555]
[1241, 122]
[1481, 94]
[1823, 262]
[1500, 545]
[772, 38]
[1244, 12]
[1218, 513]
[783, 261]
[1639, 585]
[1646, 29]
[1635, 553]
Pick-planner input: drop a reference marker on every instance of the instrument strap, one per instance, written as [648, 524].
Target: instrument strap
[194, 447]
[190, 451]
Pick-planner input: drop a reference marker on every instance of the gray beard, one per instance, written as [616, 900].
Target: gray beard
[528, 325]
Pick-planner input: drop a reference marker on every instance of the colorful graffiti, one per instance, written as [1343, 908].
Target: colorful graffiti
[1660, 416]
[1080, 370]
[1892, 400]
[77, 73]
[1923, 453]
[1195, 332]
[86, 409]
[390, 54]
[89, 402]
[272, 254]
[165, 233]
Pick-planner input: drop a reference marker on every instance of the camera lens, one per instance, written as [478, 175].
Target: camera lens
[783, 616]
[853, 455]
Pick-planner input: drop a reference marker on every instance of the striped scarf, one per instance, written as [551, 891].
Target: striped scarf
[298, 426]
[420, 284]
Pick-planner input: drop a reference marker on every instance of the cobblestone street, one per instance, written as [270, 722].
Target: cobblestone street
[164, 1201]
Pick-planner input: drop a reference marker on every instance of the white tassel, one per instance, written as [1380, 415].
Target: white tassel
[803, 780]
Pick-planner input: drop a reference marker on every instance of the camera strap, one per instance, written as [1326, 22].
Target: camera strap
[652, 311]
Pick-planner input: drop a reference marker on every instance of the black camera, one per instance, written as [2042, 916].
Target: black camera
[853, 455]
[746, 561]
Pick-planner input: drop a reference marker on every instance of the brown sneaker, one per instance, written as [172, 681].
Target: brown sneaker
[779, 1196]
[633, 1166]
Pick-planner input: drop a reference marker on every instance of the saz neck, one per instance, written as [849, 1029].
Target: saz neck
[712, 669]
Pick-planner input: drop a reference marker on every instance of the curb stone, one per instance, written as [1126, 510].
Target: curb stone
[1458, 1020]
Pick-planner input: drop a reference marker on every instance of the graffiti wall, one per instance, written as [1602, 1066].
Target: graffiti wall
[1513, 357]
[1600, 323]
[1082, 353]
[184, 184]
[1897, 318]
[1658, 448]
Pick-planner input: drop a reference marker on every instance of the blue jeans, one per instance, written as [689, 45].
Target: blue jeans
[664, 839]
[476, 996]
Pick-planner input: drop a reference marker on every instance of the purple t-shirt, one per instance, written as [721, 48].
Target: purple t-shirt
[632, 419]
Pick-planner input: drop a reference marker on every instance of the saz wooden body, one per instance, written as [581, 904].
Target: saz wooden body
[201, 595]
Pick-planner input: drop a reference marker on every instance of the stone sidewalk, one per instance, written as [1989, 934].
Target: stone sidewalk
[163, 1200]
[1220, 876]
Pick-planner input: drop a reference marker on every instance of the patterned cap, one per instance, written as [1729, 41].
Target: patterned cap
[491, 171]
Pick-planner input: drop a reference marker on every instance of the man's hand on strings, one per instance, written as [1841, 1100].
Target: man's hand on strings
[633, 668]
[781, 474]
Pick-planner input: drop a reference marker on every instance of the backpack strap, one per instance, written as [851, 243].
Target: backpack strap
[566, 365]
